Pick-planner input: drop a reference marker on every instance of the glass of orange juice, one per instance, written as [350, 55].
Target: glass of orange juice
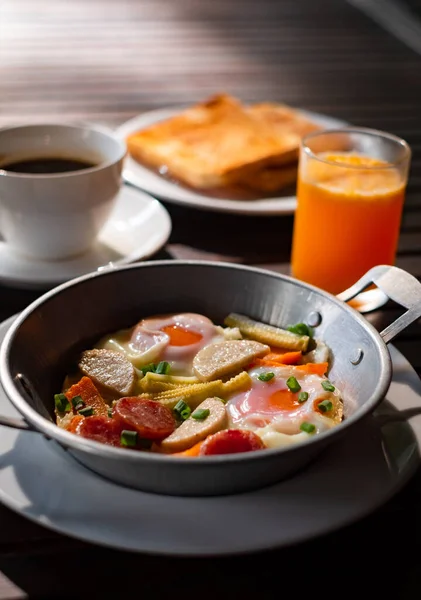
[350, 194]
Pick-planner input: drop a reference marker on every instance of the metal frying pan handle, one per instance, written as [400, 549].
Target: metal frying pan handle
[16, 422]
[399, 286]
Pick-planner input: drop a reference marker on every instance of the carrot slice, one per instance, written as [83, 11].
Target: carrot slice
[85, 388]
[286, 358]
[72, 426]
[275, 359]
[262, 362]
[316, 368]
[193, 451]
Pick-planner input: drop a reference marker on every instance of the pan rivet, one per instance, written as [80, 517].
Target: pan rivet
[314, 319]
[357, 358]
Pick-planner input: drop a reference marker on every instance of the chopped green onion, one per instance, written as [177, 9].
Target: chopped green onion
[182, 410]
[293, 384]
[163, 368]
[325, 406]
[77, 402]
[307, 427]
[150, 368]
[301, 329]
[302, 397]
[61, 403]
[326, 385]
[87, 411]
[110, 413]
[128, 438]
[60, 397]
[201, 414]
[266, 376]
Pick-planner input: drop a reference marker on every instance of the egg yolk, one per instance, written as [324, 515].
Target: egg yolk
[181, 337]
[284, 400]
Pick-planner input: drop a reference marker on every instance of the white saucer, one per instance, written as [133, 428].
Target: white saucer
[40, 481]
[137, 228]
[164, 189]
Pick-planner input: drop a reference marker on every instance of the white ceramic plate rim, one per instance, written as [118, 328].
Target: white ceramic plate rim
[154, 184]
[320, 499]
[47, 273]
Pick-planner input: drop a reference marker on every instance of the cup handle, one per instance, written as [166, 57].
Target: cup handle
[399, 286]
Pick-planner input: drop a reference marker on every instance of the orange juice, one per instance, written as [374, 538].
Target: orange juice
[347, 219]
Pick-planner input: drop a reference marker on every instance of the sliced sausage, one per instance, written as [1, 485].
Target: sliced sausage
[149, 418]
[193, 431]
[101, 429]
[231, 441]
[220, 359]
[114, 375]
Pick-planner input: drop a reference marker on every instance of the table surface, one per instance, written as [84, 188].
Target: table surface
[106, 61]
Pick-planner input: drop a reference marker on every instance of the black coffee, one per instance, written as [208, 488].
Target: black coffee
[47, 165]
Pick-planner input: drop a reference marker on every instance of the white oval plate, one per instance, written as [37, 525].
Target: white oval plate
[137, 228]
[354, 476]
[161, 188]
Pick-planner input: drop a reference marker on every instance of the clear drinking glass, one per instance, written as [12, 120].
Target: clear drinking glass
[350, 194]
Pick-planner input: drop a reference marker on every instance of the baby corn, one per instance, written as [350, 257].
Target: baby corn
[267, 334]
[239, 383]
[193, 395]
[196, 393]
[153, 382]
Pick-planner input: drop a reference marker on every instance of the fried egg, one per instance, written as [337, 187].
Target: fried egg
[187, 334]
[275, 413]
[172, 338]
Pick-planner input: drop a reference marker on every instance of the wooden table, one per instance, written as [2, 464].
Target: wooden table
[106, 61]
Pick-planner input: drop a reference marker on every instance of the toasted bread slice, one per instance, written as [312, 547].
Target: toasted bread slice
[220, 143]
[283, 119]
[210, 145]
[279, 171]
[271, 178]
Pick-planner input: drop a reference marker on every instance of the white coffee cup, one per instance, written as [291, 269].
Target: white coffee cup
[54, 216]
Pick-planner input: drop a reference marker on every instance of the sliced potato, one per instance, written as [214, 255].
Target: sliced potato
[193, 431]
[111, 372]
[223, 358]
[267, 334]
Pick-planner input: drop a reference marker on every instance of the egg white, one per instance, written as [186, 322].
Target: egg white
[278, 427]
[146, 343]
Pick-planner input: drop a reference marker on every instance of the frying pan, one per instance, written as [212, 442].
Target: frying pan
[46, 338]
